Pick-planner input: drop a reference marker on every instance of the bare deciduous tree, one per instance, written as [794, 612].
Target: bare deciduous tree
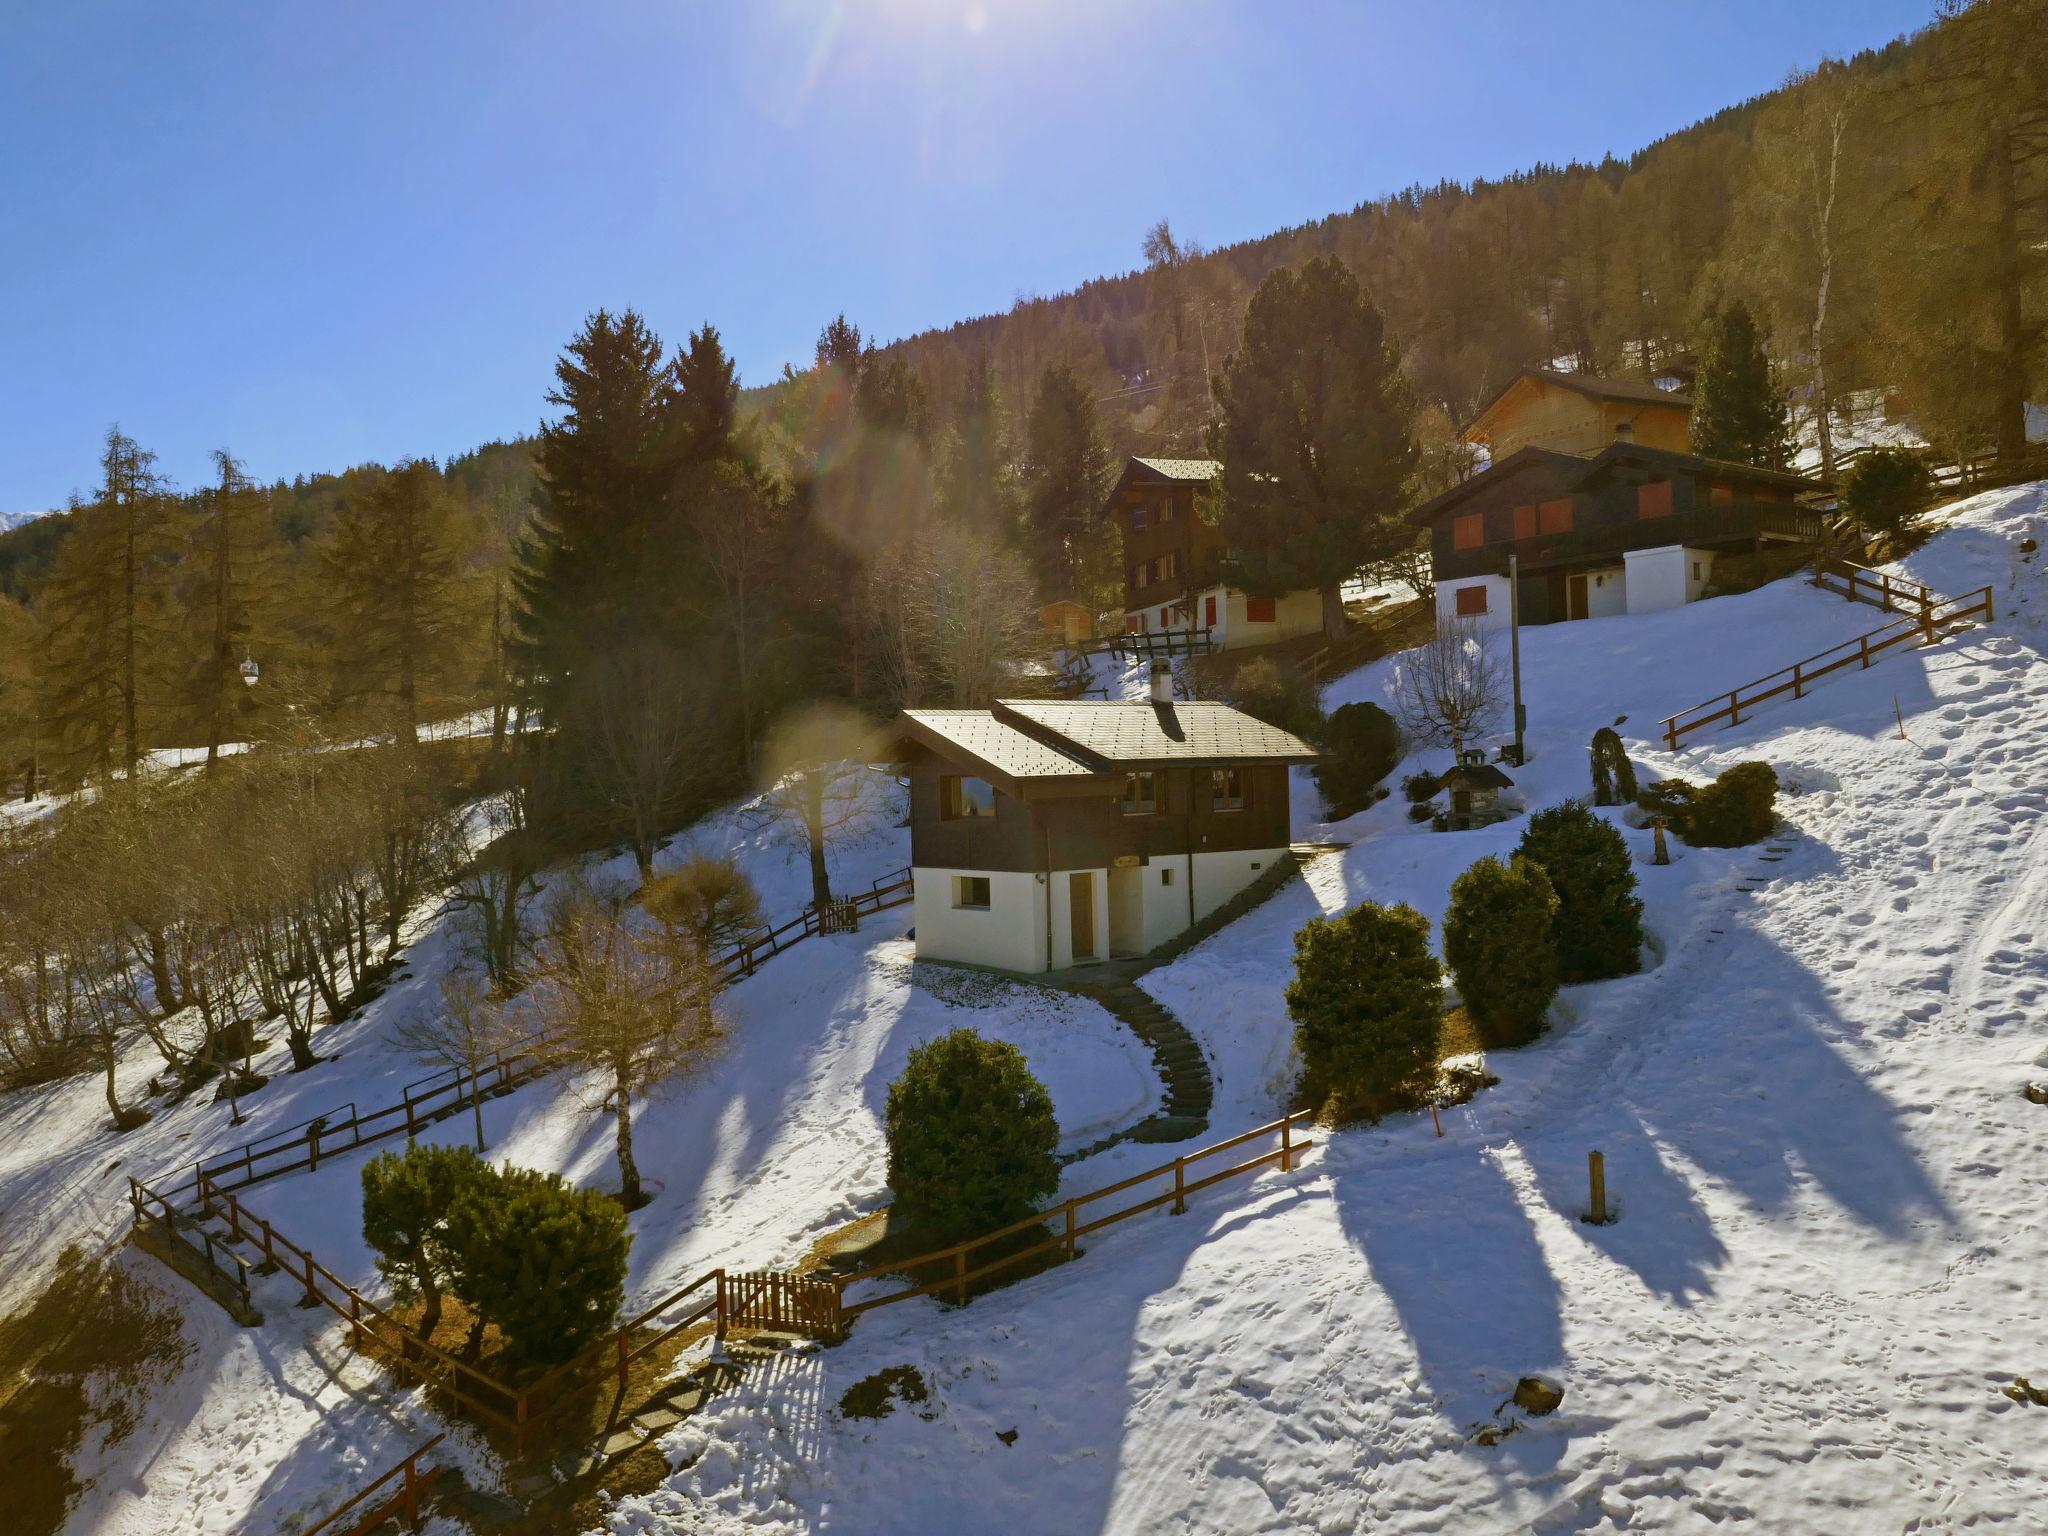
[1451, 689]
[819, 784]
[649, 706]
[465, 1033]
[630, 1007]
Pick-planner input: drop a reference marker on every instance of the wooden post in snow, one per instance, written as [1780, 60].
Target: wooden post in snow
[1596, 1173]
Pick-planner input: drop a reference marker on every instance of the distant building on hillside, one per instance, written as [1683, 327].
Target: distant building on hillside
[1045, 834]
[1580, 413]
[1629, 529]
[1173, 563]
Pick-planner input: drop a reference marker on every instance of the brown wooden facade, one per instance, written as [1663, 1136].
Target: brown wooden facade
[1169, 552]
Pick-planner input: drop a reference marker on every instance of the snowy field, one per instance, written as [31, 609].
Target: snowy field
[1827, 1261]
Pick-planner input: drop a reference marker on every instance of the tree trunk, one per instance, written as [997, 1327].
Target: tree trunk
[160, 980]
[1333, 613]
[476, 1103]
[430, 1313]
[629, 1171]
[813, 793]
[2010, 425]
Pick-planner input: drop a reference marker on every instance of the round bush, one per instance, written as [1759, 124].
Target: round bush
[1279, 696]
[1361, 744]
[1739, 807]
[1598, 929]
[1366, 1000]
[1420, 787]
[1498, 944]
[1886, 490]
[545, 1262]
[971, 1136]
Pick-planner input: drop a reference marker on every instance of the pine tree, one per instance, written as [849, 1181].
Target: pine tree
[546, 1263]
[1738, 409]
[1316, 438]
[1066, 473]
[1598, 929]
[407, 1200]
[390, 566]
[230, 577]
[103, 603]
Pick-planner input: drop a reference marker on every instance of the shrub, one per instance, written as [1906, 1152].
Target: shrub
[1420, 787]
[1614, 776]
[1498, 944]
[1366, 1000]
[1423, 812]
[1279, 696]
[971, 1136]
[1886, 490]
[407, 1198]
[1737, 808]
[707, 897]
[545, 1262]
[1598, 929]
[1361, 744]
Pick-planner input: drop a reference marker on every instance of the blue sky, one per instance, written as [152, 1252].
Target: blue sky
[320, 234]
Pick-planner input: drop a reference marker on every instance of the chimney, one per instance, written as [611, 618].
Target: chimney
[1624, 431]
[1162, 682]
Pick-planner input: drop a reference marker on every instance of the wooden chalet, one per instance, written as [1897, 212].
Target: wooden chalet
[1046, 834]
[1630, 529]
[1580, 413]
[1174, 563]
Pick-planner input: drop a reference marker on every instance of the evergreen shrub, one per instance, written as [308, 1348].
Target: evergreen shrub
[1614, 776]
[1499, 944]
[1366, 1000]
[971, 1136]
[1420, 787]
[407, 1198]
[544, 1261]
[1886, 490]
[1279, 696]
[1361, 744]
[1598, 929]
[1739, 807]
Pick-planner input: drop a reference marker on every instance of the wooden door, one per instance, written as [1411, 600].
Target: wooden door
[1578, 598]
[1081, 913]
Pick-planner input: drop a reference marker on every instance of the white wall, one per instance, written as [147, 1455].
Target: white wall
[1063, 916]
[1701, 560]
[1656, 578]
[1220, 876]
[1010, 934]
[1606, 592]
[1497, 599]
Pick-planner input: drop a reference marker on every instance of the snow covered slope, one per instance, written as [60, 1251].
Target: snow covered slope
[1831, 1189]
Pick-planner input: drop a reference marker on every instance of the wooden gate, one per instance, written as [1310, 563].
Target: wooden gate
[786, 1303]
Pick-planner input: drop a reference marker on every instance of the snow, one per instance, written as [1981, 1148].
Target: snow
[1825, 1267]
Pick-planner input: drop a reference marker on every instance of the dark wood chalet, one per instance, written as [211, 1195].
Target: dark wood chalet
[1045, 834]
[1630, 529]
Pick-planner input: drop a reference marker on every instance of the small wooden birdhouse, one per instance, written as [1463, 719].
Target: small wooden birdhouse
[1475, 786]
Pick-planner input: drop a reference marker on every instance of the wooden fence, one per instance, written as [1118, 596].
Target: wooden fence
[841, 916]
[963, 1264]
[407, 1501]
[1935, 621]
[1861, 584]
[160, 1216]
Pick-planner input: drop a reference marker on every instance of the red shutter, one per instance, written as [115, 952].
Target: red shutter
[1525, 521]
[1209, 611]
[1260, 610]
[1471, 600]
[1653, 499]
[1555, 516]
[1469, 531]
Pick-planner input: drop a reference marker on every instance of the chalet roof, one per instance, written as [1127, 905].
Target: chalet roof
[1066, 747]
[1143, 734]
[1009, 754]
[1571, 472]
[1192, 471]
[1594, 386]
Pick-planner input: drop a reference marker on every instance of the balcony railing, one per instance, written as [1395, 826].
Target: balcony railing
[1701, 526]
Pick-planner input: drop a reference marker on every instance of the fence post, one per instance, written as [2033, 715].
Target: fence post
[1734, 709]
[1798, 687]
[1596, 1174]
[1286, 1143]
[313, 1146]
[1927, 621]
[1863, 650]
[1070, 1229]
[412, 1497]
[622, 1362]
[718, 1354]
[312, 1296]
[355, 1322]
[960, 1277]
[410, 1128]
[1180, 1193]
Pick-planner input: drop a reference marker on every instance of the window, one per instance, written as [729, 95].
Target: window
[1260, 610]
[965, 799]
[1162, 618]
[1471, 600]
[1555, 516]
[1226, 789]
[1720, 494]
[1140, 794]
[1695, 570]
[1525, 521]
[1170, 565]
[1653, 499]
[1166, 874]
[1469, 531]
[1137, 578]
[970, 892]
[1166, 510]
[1138, 517]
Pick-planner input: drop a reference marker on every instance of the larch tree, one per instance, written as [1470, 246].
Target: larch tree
[1316, 438]
[230, 541]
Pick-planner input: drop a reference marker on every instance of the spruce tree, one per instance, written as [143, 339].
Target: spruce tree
[1066, 473]
[976, 486]
[407, 1200]
[543, 1261]
[1598, 928]
[230, 577]
[1738, 409]
[1367, 1000]
[1317, 438]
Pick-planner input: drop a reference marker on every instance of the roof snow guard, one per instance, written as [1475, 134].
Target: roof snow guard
[1058, 747]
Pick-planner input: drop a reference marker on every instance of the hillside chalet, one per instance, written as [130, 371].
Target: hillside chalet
[1046, 834]
[1630, 529]
[1174, 562]
[1580, 413]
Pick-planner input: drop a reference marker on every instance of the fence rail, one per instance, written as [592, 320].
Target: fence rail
[153, 1210]
[842, 915]
[1935, 621]
[408, 1500]
[1861, 584]
[963, 1264]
